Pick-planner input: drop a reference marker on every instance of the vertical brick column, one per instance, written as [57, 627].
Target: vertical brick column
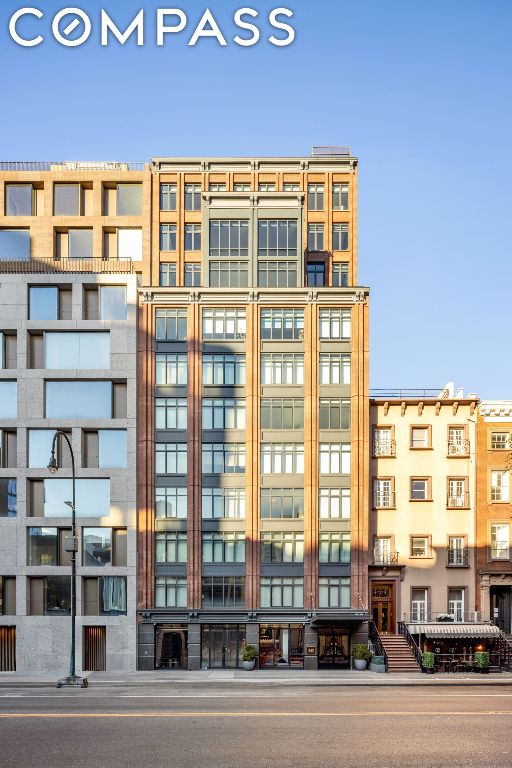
[252, 459]
[310, 456]
[194, 457]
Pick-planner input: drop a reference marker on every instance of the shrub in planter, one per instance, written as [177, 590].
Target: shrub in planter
[428, 662]
[377, 664]
[481, 662]
[249, 656]
[361, 655]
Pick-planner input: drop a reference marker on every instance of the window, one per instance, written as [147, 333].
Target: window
[420, 437]
[219, 458]
[242, 187]
[316, 197]
[457, 551]
[291, 186]
[192, 275]
[277, 238]
[171, 412]
[335, 324]
[168, 234]
[267, 186]
[223, 370]
[167, 197]
[277, 274]
[170, 547]
[383, 495]
[279, 324]
[113, 305]
[334, 458]
[334, 592]
[80, 400]
[419, 546]
[80, 243]
[192, 197]
[129, 244]
[171, 592]
[20, 200]
[383, 444]
[282, 413]
[457, 443]
[171, 324]
[47, 498]
[7, 597]
[334, 547]
[129, 200]
[282, 368]
[8, 448]
[282, 503]
[223, 547]
[8, 497]
[192, 237]
[171, 369]
[224, 324]
[276, 592]
[66, 200]
[43, 303]
[168, 275]
[219, 503]
[50, 596]
[334, 413]
[500, 441]
[229, 274]
[420, 490]
[223, 592]
[282, 459]
[223, 413]
[457, 496]
[104, 596]
[382, 554]
[315, 273]
[171, 458]
[105, 448]
[334, 368]
[499, 485]
[340, 237]
[73, 349]
[282, 547]
[315, 237]
[104, 546]
[340, 275]
[340, 197]
[8, 400]
[419, 605]
[456, 603]
[229, 239]
[500, 541]
[45, 546]
[216, 186]
[170, 502]
[14, 244]
[334, 503]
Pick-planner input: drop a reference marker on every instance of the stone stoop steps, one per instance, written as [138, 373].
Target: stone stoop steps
[400, 657]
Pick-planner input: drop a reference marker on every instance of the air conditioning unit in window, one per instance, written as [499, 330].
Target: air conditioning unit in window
[241, 336]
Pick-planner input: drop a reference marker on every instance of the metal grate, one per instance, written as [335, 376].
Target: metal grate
[7, 649]
[95, 649]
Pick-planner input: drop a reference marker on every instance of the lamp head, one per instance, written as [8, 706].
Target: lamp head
[52, 464]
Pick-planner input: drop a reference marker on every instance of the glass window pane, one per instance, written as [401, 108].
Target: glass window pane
[66, 199]
[77, 350]
[92, 497]
[18, 199]
[43, 303]
[78, 399]
[14, 244]
[8, 400]
[112, 302]
[129, 199]
[97, 546]
[80, 243]
[129, 244]
[112, 448]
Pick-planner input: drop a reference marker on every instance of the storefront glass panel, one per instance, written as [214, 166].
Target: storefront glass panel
[281, 645]
[222, 645]
[333, 648]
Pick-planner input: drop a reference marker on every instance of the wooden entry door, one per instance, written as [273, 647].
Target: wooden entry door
[383, 606]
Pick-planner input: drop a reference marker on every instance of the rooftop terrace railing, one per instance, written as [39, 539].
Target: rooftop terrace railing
[46, 266]
[319, 151]
[409, 393]
[68, 165]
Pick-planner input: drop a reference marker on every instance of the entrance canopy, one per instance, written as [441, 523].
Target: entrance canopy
[454, 630]
[338, 618]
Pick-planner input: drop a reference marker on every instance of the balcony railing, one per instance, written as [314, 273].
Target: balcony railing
[460, 501]
[49, 266]
[384, 448]
[458, 617]
[458, 447]
[406, 394]
[383, 499]
[75, 165]
[381, 557]
[457, 558]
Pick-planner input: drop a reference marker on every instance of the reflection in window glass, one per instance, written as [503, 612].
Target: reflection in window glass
[80, 243]
[78, 400]
[14, 244]
[113, 302]
[129, 199]
[43, 303]
[8, 498]
[42, 546]
[112, 448]
[8, 397]
[66, 199]
[97, 546]
[40, 447]
[18, 200]
[92, 497]
[77, 350]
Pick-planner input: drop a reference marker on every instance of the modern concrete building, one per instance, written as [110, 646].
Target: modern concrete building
[494, 513]
[72, 239]
[252, 415]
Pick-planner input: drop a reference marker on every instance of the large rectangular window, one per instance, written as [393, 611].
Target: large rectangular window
[282, 503]
[171, 592]
[229, 239]
[171, 412]
[104, 546]
[40, 446]
[45, 546]
[171, 458]
[340, 237]
[340, 197]
[223, 370]
[500, 541]
[340, 275]
[104, 596]
[80, 243]
[219, 503]
[219, 458]
[334, 503]
[334, 547]
[171, 324]
[277, 592]
[223, 413]
[129, 200]
[168, 237]
[170, 502]
[192, 237]
[112, 448]
[171, 369]
[8, 497]
[282, 547]
[335, 324]
[8, 399]
[334, 592]
[170, 547]
[113, 304]
[334, 368]
[334, 413]
[167, 197]
[224, 324]
[221, 547]
[277, 239]
[282, 413]
[315, 274]
[316, 197]
[50, 596]
[192, 197]
[277, 274]
[500, 485]
[223, 592]
[43, 302]
[129, 243]
[315, 237]
[74, 349]
[78, 399]
[92, 497]
[282, 459]
[192, 275]
[20, 200]
[282, 368]
[279, 324]
[229, 274]
[168, 275]
[334, 458]
[14, 244]
[66, 200]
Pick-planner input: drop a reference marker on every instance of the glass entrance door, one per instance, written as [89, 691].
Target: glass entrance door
[222, 645]
[333, 649]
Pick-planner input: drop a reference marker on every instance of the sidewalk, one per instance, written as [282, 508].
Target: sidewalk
[236, 677]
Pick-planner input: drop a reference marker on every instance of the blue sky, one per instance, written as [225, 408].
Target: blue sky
[419, 90]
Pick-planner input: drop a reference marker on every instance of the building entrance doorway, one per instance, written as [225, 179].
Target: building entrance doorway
[221, 645]
[501, 608]
[383, 606]
[171, 646]
[333, 649]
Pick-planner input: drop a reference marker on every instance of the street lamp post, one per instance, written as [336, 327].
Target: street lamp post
[70, 545]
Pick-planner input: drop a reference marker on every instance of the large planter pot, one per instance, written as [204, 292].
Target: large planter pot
[248, 665]
[360, 664]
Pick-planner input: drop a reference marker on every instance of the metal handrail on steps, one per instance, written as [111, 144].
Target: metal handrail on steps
[373, 634]
[403, 630]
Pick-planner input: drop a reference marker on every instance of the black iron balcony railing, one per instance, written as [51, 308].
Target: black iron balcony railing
[384, 448]
[460, 500]
[382, 557]
[458, 447]
[45, 265]
[383, 499]
[457, 558]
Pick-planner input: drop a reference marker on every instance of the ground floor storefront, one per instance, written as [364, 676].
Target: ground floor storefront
[205, 640]
[456, 645]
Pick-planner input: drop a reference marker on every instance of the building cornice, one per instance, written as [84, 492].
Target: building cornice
[292, 296]
[495, 408]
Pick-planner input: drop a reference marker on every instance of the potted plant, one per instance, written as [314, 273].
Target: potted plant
[361, 655]
[428, 662]
[481, 662]
[249, 656]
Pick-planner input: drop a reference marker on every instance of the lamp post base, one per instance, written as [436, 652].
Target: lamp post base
[73, 681]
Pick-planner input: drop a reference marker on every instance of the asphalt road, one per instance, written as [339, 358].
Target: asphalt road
[231, 727]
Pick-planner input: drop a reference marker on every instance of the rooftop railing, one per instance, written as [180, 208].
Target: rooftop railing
[68, 165]
[51, 265]
[334, 151]
[408, 393]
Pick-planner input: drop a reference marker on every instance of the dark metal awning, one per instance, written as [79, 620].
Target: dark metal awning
[338, 618]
